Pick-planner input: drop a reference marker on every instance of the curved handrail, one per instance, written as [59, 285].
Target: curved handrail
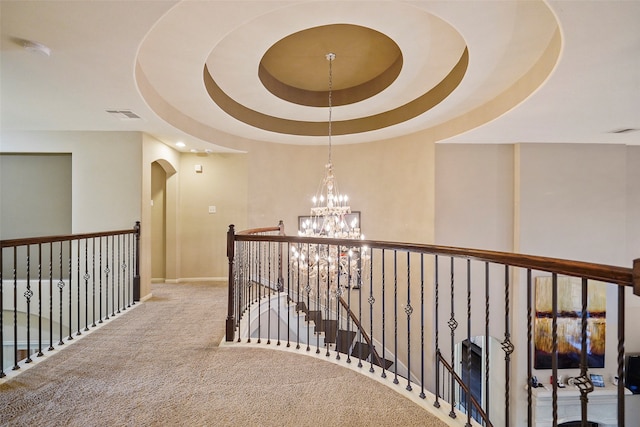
[608, 273]
[512, 262]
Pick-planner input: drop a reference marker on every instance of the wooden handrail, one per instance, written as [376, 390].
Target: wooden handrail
[607, 273]
[257, 231]
[8, 243]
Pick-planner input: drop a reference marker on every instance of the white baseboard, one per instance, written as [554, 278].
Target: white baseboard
[196, 279]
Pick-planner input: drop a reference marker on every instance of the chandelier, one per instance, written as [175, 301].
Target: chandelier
[337, 266]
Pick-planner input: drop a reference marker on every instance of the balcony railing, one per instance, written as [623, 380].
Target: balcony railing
[57, 287]
[443, 321]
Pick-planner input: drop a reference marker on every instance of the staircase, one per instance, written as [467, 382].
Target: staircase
[269, 318]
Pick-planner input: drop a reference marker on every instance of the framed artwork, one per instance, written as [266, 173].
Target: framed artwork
[569, 319]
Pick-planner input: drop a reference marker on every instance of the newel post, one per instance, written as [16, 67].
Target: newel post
[636, 276]
[230, 254]
[136, 271]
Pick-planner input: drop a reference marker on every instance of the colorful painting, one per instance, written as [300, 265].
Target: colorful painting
[569, 323]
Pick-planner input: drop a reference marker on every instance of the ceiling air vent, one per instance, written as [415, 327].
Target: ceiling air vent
[625, 130]
[124, 114]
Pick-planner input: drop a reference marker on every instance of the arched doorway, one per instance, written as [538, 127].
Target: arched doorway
[161, 218]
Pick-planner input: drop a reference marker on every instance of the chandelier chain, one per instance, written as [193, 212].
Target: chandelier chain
[330, 58]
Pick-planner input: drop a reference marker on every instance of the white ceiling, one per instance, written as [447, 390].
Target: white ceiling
[148, 57]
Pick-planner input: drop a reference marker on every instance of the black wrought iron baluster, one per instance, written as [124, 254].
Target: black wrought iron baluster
[78, 287]
[124, 267]
[93, 280]
[15, 308]
[280, 289]
[468, 355]
[328, 307]
[129, 275]
[308, 289]
[268, 255]
[453, 324]
[554, 353]
[2, 374]
[86, 277]
[28, 294]
[384, 345]
[252, 273]
[360, 290]
[371, 301]
[50, 296]
[408, 310]
[621, 334]
[529, 351]
[121, 269]
[39, 300]
[259, 285]
[338, 295]
[70, 263]
[318, 309]
[298, 297]
[395, 317]
[436, 282]
[113, 276]
[288, 296]
[60, 288]
[106, 271]
[507, 346]
[422, 347]
[584, 399]
[347, 317]
[487, 316]
[106, 280]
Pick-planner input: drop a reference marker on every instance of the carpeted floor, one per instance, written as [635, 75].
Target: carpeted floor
[160, 364]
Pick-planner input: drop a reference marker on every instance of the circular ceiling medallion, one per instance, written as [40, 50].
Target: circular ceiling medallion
[295, 68]
[450, 72]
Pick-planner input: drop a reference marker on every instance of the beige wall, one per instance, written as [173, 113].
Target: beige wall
[283, 179]
[572, 201]
[221, 184]
[35, 195]
[105, 173]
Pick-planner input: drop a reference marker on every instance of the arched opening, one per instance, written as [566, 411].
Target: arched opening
[161, 171]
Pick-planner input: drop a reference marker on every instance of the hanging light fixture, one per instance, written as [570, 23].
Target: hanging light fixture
[339, 266]
[329, 214]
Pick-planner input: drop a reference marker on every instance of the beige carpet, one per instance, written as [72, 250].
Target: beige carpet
[160, 364]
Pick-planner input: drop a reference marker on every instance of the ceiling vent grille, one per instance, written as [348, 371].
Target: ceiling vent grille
[625, 130]
[124, 114]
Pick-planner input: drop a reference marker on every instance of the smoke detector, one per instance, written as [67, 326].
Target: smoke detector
[36, 47]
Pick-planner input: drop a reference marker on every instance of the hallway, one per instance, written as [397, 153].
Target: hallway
[160, 364]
